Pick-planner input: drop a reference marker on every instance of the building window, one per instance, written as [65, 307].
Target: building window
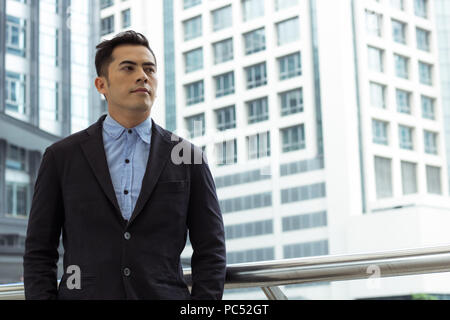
[48, 6]
[379, 129]
[250, 229]
[252, 201]
[291, 101]
[398, 4]
[399, 31]
[15, 92]
[16, 199]
[423, 39]
[258, 145]
[222, 18]
[224, 84]
[48, 45]
[194, 93]
[255, 41]
[430, 140]
[106, 3]
[284, 4]
[226, 118]
[303, 193]
[403, 99]
[256, 75]
[16, 158]
[193, 60]
[409, 177]
[425, 73]
[378, 95]
[192, 28]
[223, 51]
[301, 166]
[258, 110]
[48, 100]
[307, 249]
[373, 23]
[226, 152]
[196, 125]
[252, 9]
[434, 180]
[251, 255]
[288, 31]
[427, 107]
[383, 177]
[405, 136]
[305, 221]
[12, 240]
[290, 66]
[401, 66]
[16, 35]
[420, 8]
[375, 57]
[191, 3]
[243, 177]
[293, 138]
[107, 25]
[126, 18]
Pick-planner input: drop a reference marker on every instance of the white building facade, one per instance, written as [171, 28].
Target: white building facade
[322, 122]
[45, 95]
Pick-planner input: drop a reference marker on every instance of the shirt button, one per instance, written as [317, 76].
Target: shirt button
[127, 236]
[129, 131]
[126, 272]
[126, 192]
[127, 161]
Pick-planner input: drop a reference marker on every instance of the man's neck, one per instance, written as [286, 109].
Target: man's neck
[129, 119]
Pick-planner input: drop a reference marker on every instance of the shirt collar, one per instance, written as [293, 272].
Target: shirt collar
[115, 129]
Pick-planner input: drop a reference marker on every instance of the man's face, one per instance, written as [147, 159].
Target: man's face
[133, 68]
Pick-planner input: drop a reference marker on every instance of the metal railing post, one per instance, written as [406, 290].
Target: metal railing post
[274, 293]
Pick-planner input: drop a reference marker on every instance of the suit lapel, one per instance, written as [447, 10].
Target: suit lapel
[160, 149]
[94, 151]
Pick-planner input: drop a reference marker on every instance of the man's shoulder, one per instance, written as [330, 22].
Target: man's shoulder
[70, 142]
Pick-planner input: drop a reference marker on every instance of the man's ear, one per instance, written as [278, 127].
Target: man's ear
[101, 83]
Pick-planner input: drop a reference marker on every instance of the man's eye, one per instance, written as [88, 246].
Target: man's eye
[129, 68]
[150, 70]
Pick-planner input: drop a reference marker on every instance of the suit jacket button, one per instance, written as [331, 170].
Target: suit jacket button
[127, 236]
[126, 272]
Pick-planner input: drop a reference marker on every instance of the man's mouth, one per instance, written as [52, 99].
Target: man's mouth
[141, 90]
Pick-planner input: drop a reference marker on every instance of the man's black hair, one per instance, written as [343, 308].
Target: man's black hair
[103, 57]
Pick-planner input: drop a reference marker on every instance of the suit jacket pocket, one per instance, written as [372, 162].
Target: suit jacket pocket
[171, 186]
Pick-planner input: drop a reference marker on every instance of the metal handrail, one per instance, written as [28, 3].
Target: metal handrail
[270, 274]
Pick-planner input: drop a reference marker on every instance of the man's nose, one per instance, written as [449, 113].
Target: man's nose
[142, 76]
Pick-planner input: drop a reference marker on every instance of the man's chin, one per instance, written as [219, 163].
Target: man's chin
[139, 108]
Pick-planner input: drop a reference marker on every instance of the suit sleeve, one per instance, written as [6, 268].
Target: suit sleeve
[43, 232]
[206, 232]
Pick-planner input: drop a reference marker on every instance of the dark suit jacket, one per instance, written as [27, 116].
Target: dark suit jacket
[119, 260]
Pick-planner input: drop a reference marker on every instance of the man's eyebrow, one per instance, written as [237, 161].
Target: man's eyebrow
[134, 63]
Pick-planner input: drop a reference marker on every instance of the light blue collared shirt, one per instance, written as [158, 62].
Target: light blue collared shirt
[127, 153]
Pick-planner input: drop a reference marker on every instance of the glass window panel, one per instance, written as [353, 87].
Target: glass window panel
[383, 177]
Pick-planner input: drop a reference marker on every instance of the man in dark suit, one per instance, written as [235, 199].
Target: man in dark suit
[123, 200]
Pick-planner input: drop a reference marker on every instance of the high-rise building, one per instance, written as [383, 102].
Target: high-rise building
[443, 36]
[46, 67]
[323, 123]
